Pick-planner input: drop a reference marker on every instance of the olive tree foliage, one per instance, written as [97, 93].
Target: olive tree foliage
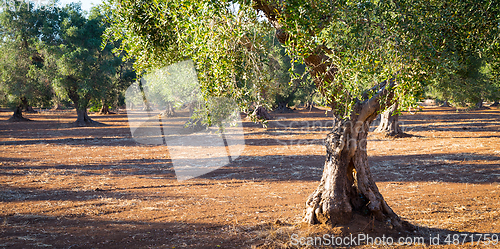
[468, 87]
[462, 38]
[122, 75]
[364, 56]
[291, 83]
[23, 28]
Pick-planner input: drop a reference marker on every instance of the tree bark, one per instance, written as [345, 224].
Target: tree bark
[389, 123]
[283, 108]
[479, 104]
[309, 105]
[83, 118]
[26, 107]
[104, 110]
[29, 109]
[57, 106]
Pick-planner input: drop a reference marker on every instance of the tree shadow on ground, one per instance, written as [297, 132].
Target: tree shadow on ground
[137, 167]
[24, 194]
[456, 168]
[23, 231]
[31, 230]
[367, 231]
[484, 121]
[85, 141]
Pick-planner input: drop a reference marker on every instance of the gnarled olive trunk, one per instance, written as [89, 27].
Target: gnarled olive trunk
[283, 108]
[347, 185]
[26, 106]
[29, 109]
[479, 104]
[81, 104]
[169, 110]
[261, 113]
[105, 108]
[389, 122]
[83, 118]
[57, 107]
[17, 116]
[309, 105]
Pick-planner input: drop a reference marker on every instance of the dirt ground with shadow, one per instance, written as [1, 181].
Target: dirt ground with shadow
[95, 187]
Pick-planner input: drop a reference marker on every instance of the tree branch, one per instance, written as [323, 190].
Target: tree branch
[372, 105]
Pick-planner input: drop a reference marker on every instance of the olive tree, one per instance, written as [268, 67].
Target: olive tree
[22, 81]
[84, 67]
[364, 57]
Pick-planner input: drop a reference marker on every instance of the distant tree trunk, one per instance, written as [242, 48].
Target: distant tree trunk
[309, 105]
[169, 110]
[261, 113]
[29, 109]
[57, 106]
[147, 106]
[445, 104]
[82, 118]
[17, 116]
[389, 123]
[283, 108]
[26, 106]
[105, 109]
[192, 107]
[479, 104]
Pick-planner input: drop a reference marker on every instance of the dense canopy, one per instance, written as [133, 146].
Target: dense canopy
[362, 43]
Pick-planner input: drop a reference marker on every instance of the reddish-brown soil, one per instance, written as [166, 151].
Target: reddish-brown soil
[95, 187]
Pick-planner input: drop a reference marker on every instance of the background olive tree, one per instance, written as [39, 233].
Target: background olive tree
[462, 36]
[85, 68]
[23, 28]
[52, 54]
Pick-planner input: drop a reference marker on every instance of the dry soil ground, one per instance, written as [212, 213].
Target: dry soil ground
[95, 187]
